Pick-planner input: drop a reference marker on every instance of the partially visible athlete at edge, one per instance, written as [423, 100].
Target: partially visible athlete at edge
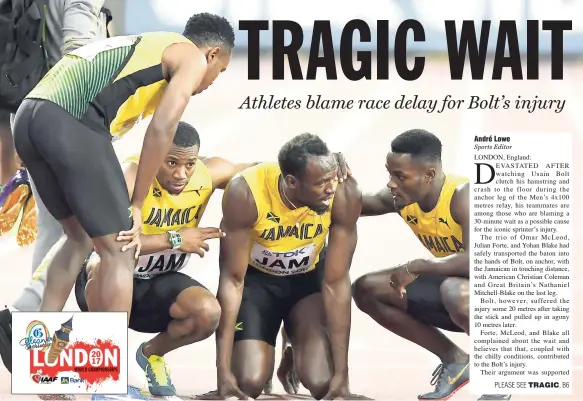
[435, 206]
[63, 133]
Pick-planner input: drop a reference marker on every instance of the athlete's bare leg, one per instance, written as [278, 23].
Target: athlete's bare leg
[64, 265]
[112, 284]
[455, 295]
[285, 372]
[196, 313]
[8, 163]
[374, 296]
[312, 351]
[252, 365]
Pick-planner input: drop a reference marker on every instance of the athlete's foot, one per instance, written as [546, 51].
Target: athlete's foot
[159, 383]
[268, 388]
[286, 372]
[6, 338]
[494, 397]
[448, 379]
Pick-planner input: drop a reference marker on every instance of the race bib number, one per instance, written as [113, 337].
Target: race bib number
[283, 263]
[161, 262]
[91, 50]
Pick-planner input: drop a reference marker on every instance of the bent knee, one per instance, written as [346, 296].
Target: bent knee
[361, 291]
[370, 289]
[203, 309]
[455, 295]
[318, 387]
[252, 384]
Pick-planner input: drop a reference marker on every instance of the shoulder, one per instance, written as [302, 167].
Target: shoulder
[239, 207]
[347, 200]
[238, 193]
[460, 202]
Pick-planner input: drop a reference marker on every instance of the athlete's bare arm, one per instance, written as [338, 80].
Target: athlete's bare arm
[378, 203]
[184, 66]
[150, 243]
[222, 170]
[239, 215]
[336, 286]
[457, 265]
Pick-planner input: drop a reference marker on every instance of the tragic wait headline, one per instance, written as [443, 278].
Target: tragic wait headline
[468, 46]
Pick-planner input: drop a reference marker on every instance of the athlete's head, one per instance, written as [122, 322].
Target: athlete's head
[180, 162]
[414, 164]
[309, 170]
[214, 35]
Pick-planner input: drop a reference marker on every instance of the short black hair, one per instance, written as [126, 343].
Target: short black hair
[210, 30]
[419, 143]
[293, 156]
[186, 136]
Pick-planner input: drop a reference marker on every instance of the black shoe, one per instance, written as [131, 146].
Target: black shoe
[494, 397]
[448, 379]
[6, 338]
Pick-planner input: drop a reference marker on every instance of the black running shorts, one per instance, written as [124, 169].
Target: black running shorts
[268, 300]
[74, 168]
[424, 303]
[151, 300]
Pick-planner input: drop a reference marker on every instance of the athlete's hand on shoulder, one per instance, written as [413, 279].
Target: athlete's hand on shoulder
[133, 235]
[401, 278]
[338, 389]
[343, 169]
[194, 239]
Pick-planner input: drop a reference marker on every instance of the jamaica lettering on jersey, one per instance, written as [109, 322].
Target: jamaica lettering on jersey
[284, 242]
[437, 230]
[110, 84]
[163, 212]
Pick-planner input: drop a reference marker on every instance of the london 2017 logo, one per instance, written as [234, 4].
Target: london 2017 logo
[70, 359]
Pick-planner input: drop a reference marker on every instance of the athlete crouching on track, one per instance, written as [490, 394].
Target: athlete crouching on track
[436, 208]
[275, 267]
[165, 301]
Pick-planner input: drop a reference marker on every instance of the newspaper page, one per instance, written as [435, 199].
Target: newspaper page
[521, 255]
[460, 124]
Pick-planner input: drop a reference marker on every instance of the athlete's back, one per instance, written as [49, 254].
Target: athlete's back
[110, 84]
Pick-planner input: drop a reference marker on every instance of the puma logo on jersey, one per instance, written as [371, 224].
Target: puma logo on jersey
[194, 190]
[444, 221]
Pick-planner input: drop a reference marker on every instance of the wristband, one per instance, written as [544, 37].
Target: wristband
[175, 239]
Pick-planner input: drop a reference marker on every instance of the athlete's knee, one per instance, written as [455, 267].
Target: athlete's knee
[204, 311]
[252, 383]
[111, 255]
[364, 291]
[455, 296]
[317, 385]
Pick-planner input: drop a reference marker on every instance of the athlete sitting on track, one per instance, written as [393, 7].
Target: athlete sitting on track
[435, 206]
[274, 268]
[166, 301]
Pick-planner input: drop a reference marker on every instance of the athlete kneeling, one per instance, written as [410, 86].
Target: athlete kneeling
[166, 301]
[274, 268]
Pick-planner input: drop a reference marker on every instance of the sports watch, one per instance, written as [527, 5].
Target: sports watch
[175, 239]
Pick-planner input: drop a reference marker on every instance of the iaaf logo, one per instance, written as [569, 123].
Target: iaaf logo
[64, 359]
[42, 379]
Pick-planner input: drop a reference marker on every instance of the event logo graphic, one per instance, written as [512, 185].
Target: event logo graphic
[68, 362]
